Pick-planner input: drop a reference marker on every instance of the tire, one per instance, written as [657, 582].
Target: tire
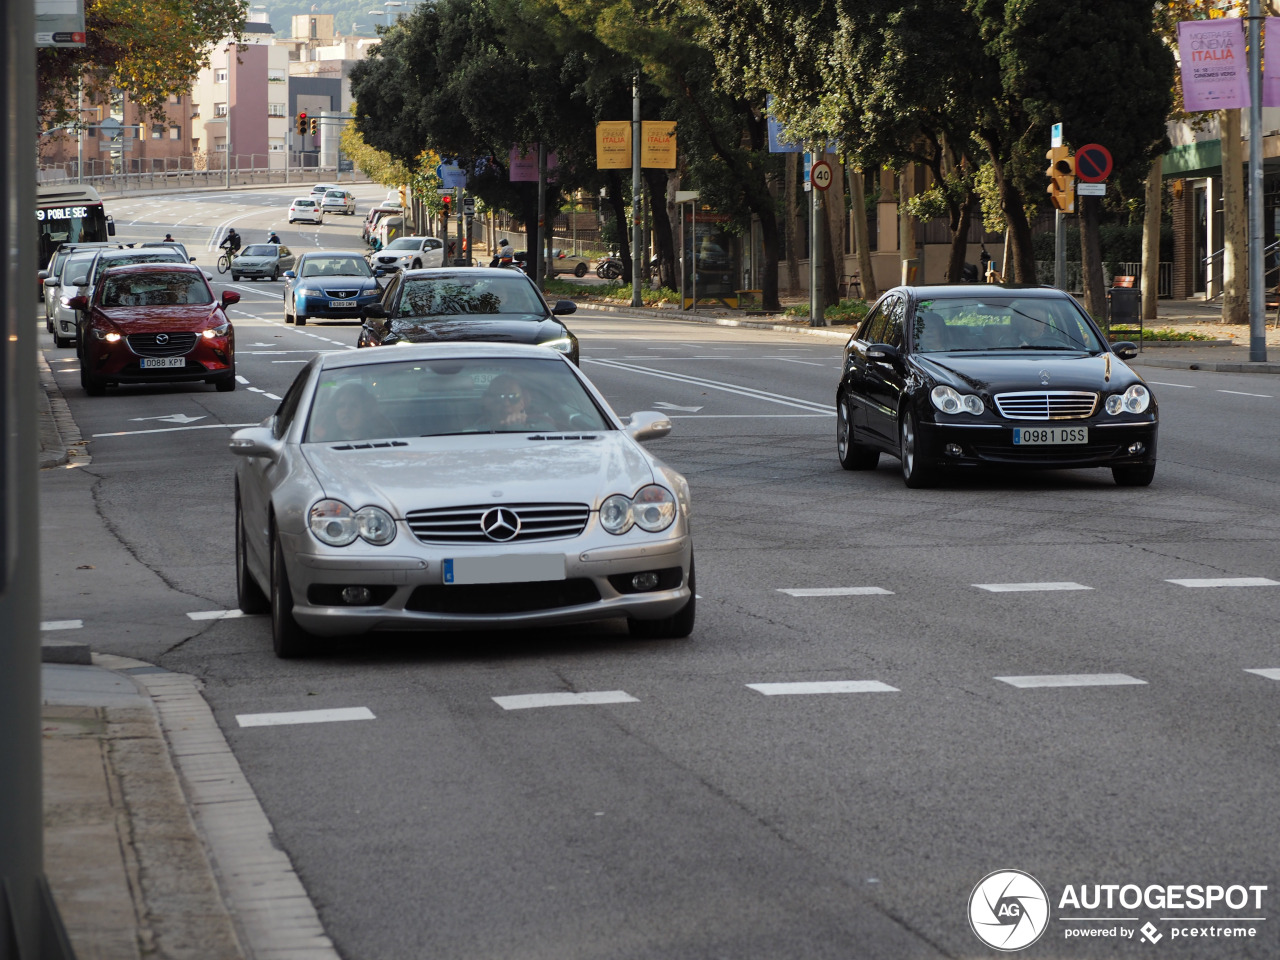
[93, 386]
[249, 595]
[224, 263]
[1139, 475]
[225, 384]
[61, 341]
[299, 320]
[417, 265]
[275, 274]
[674, 627]
[916, 473]
[580, 270]
[287, 638]
[853, 455]
[235, 277]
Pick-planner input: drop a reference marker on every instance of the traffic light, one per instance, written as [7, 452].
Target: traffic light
[315, 126]
[447, 200]
[1062, 179]
[302, 123]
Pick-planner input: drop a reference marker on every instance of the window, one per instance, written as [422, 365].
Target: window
[276, 145]
[157, 131]
[275, 75]
[195, 110]
[220, 76]
[219, 109]
[275, 109]
[175, 133]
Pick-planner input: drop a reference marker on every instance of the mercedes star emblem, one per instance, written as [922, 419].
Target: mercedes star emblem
[1044, 378]
[500, 524]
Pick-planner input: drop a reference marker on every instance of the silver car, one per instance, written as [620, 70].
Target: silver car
[339, 201]
[265, 260]
[456, 486]
[72, 282]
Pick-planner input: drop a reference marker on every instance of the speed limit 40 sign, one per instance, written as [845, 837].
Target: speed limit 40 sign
[821, 175]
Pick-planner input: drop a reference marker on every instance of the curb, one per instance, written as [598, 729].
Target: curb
[59, 436]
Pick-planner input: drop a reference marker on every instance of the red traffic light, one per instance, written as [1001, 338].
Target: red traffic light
[302, 116]
[446, 200]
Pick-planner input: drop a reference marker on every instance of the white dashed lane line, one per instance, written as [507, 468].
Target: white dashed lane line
[1240, 393]
[1271, 673]
[304, 716]
[822, 686]
[1030, 587]
[62, 624]
[526, 701]
[218, 614]
[835, 591]
[1073, 680]
[1227, 582]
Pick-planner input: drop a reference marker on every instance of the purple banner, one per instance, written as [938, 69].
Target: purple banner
[524, 165]
[1271, 66]
[1215, 74]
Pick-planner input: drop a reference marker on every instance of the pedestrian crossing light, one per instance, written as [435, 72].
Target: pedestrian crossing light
[1062, 179]
[315, 126]
[302, 123]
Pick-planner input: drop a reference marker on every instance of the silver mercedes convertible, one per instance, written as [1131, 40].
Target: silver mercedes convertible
[456, 486]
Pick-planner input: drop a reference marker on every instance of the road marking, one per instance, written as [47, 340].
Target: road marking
[663, 405]
[240, 379]
[1030, 587]
[1271, 673]
[304, 716]
[1073, 680]
[1162, 383]
[203, 426]
[271, 396]
[171, 418]
[219, 614]
[61, 624]
[822, 686]
[1238, 393]
[809, 405]
[526, 701]
[835, 591]
[1226, 582]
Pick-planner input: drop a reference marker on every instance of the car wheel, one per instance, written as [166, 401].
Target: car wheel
[249, 596]
[580, 270]
[1140, 475]
[61, 341]
[275, 274]
[916, 471]
[299, 320]
[853, 455]
[93, 386]
[235, 277]
[226, 384]
[417, 265]
[679, 624]
[287, 638]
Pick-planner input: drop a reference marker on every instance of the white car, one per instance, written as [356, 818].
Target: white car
[409, 253]
[339, 201]
[306, 208]
[320, 189]
[72, 282]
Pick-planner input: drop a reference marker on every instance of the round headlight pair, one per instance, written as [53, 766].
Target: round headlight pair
[1134, 400]
[336, 524]
[652, 509]
[950, 400]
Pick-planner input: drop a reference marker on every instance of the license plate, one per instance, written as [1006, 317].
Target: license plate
[153, 363]
[339, 304]
[1046, 436]
[512, 568]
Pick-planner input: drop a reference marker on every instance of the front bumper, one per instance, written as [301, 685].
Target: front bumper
[321, 308]
[409, 593]
[991, 444]
[256, 270]
[119, 364]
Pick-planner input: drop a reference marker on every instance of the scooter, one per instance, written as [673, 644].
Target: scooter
[609, 268]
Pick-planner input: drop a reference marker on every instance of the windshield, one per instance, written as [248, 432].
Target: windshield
[335, 267]
[154, 290]
[1001, 323]
[304, 203]
[335, 195]
[76, 268]
[403, 243]
[259, 250]
[439, 397]
[152, 256]
[505, 293]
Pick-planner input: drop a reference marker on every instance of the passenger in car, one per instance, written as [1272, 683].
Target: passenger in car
[350, 414]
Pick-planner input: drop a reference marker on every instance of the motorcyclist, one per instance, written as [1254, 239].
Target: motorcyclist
[504, 255]
[273, 238]
[231, 243]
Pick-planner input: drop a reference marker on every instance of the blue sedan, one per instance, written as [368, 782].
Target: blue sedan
[329, 285]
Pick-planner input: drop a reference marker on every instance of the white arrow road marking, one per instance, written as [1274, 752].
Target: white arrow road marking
[528, 700]
[822, 686]
[203, 426]
[1271, 673]
[171, 418]
[1073, 680]
[304, 716]
[61, 624]
[663, 405]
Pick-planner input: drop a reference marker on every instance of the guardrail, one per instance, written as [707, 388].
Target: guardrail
[178, 177]
[1073, 279]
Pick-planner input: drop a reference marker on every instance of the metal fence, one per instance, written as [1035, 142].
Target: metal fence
[1073, 281]
[175, 173]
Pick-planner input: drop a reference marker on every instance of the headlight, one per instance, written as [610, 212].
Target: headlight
[1134, 400]
[111, 336]
[221, 331]
[950, 400]
[336, 524]
[652, 509]
[560, 345]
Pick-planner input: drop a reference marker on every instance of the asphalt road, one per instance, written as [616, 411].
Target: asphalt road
[709, 815]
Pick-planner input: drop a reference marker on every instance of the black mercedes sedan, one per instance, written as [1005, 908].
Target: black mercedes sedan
[466, 303]
[952, 377]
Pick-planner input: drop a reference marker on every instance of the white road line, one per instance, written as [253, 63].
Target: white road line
[304, 716]
[1239, 393]
[240, 379]
[270, 396]
[219, 614]
[1271, 673]
[719, 385]
[61, 624]
[526, 701]
[835, 591]
[1162, 383]
[1030, 587]
[822, 686]
[1073, 680]
[203, 426]
[1226, 582]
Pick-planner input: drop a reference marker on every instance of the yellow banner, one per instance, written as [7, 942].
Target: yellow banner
[658, 144]
[613, 145]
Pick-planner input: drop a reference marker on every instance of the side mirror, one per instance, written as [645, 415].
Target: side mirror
[373, 311]
[1125, 349]
[880, 352]
[42, 275]
[191, 259]
[111, 226]
[564, 307]
[229, 297]
[209, 277]
[648, 425]
[256, 442]
[79, 303]
[290, 275]
[50, 281]
[380, 272]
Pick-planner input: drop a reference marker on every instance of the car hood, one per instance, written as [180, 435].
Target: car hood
[996, 371]
[481, 468]
[364, 284]
[184, 317]
[256, 261]
[525, 328]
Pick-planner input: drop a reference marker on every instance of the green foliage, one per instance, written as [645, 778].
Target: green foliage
[1121, 242]
[845, 313]
[607, 291]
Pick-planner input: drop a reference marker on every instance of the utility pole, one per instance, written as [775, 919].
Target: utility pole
[636, 225]
[816, 306]
[1257, 295]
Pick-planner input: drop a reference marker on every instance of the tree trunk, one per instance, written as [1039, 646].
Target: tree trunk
[620, 218]
[1235, 255]
[1095, 292]
[1151, 241]
[1018, 230]
[656, 181]
[861, 234]
[791, 219]
[837, 220]
[959, 241]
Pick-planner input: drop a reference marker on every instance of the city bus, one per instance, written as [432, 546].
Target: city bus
[69, 213]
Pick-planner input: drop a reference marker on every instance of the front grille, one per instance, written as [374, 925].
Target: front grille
[150, 345]
[388, 259]
[503, 597]
[538, 521]
[340, 294]
[1047, 405]
[1067, 454]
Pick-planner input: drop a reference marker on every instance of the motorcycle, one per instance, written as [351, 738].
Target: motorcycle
[609, 268]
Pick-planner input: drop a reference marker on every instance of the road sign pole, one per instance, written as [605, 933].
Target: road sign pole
[1059, 249]
[1257, 301]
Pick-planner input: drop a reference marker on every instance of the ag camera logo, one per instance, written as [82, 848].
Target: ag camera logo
[1008, 910]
